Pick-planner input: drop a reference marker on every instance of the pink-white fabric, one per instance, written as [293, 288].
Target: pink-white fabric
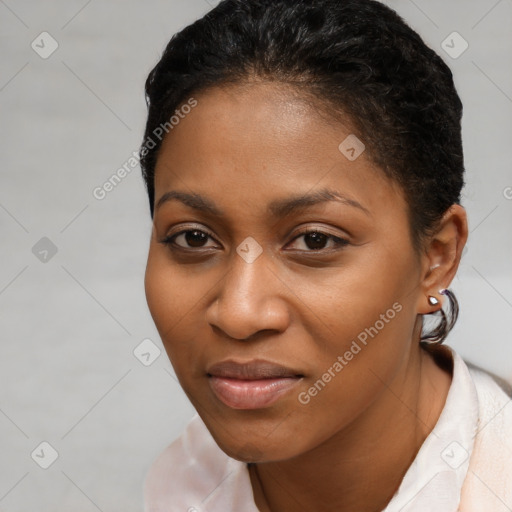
[464, 465]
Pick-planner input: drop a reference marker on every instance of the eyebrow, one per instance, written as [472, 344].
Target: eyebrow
[278, 208]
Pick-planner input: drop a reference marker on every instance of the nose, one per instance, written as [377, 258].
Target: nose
[251, 298]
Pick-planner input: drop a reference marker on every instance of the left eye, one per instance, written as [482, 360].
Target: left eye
[315, 240]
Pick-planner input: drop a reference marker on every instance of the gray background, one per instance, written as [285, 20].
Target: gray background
[71, 322]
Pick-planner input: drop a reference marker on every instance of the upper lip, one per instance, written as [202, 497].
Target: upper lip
[251, 370]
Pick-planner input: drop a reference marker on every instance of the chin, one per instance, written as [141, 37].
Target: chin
[253, 448]
[247, 452]
[261, 435]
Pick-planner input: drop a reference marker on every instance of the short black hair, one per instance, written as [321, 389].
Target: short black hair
[354, 59]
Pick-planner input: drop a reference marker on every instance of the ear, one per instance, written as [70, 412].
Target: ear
[441, 257]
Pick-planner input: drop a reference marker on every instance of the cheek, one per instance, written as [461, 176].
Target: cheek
[175, 300]
[354, 296]
[363, 329]
[365, 343]
[166, 297]
[159, 294]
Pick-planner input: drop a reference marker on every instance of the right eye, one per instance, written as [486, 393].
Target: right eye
[190, 239]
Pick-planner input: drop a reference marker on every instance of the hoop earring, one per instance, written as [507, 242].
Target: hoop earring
[438, 335]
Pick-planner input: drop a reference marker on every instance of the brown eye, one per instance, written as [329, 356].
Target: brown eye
[189, 239]
[316, 240]
[195, 238]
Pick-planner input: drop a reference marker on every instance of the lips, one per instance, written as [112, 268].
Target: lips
[252, 385]
[253, 370]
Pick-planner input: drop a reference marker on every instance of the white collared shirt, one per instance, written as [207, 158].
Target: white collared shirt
[194, 475]
[435, 477]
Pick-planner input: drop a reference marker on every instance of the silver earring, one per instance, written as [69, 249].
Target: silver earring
[433, 301]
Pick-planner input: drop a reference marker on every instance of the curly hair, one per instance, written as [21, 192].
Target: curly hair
[354, 59]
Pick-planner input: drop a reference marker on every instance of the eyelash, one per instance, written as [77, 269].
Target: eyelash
[169, 241]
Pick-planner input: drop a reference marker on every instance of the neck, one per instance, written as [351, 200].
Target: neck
[361, 467]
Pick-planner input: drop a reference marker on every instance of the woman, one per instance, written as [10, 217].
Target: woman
[304, 164]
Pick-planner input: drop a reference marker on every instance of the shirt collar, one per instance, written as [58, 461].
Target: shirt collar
[434, 479]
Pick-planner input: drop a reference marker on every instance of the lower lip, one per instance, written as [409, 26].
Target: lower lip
[251, 394]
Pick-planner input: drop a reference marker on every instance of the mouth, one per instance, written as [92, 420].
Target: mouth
[253, 385]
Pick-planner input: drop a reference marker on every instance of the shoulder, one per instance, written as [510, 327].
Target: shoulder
[485, 379]
[494, 401]
[182, 472]
[488, 484]
[193, 471]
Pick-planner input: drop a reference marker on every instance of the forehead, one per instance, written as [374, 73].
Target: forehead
[261, 139]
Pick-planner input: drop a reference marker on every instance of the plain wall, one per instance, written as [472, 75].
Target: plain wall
[70, 324]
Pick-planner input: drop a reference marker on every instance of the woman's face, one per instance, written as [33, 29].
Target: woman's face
[239, 280]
